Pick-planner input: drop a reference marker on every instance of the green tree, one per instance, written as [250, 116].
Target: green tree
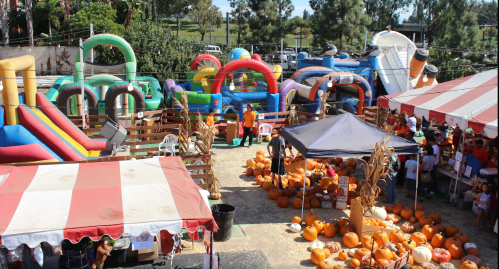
[463, 27]
[50, 12]
[4, 15]
[381, 11]
[203, 12]
[101, 15]
[338, 19]
[306, 15]
[240, 13]
[267, 20]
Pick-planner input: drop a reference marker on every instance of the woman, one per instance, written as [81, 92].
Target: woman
[390, 178]
[402, 128]
[392, 121]
[425, 168]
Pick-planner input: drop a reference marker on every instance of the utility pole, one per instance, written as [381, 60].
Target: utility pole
[210, 32]
[178, 22]
[301, 25]
[227, 18]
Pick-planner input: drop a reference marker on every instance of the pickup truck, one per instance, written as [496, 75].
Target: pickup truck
[213, 49]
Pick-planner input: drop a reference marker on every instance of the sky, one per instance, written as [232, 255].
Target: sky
[300, 6]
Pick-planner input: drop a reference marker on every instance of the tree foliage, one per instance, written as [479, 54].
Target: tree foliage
[101, 15]
[334, 20]
[240, 12]
[463, 26]
[174, 7]
[48, 14]
[204, 12]
[381, 11]
[267, 20]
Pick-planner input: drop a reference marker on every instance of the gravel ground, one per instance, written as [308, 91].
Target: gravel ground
[266, 225]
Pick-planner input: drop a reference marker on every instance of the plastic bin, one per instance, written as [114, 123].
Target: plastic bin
[118, 254]
[224, 217]
[236, 141]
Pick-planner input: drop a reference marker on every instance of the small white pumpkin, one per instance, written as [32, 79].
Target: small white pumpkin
[469, 245]
[317, 244]
[352, 251]
[295, 227]
[326, 197]
[326, 204]
[378, 213]
[446, 265]
[421, 254]
[319, 195]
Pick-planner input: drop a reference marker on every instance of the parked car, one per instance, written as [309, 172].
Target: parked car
[213, 49]
[292, 62]
[280, 56]
[289, 50]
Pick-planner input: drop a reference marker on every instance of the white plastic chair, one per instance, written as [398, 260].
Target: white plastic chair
[170, 141]
[264, 129]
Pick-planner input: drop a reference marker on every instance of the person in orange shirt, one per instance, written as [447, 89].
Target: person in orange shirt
[480, 153]
[209, 119]
[402, 128]
[249, 122]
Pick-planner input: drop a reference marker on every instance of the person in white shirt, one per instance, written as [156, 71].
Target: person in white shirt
[411, 167]
[411, 123]
[436, 153]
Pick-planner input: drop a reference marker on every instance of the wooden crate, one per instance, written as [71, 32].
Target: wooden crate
[356, 216]
[393, 265]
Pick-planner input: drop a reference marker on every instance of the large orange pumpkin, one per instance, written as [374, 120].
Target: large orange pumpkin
[464, 238]
[343, 255]
[275, 194]
[324, 265]
[351, 240]
[429, 231]
[436, 218]
[259, 158]
[381, 238]
[468, 265]
[440, 228]
[354, 263]
[396, 236]
[317, 256]
[360, 253]
[438, 240]
[329, 229]
[249, 171]
[406, 213]
[283, 201]
[318, 225]
[258, 171]
[383, 253]
[346, 229]
[296, 219]
[396, 210]
[418, 237]
[297, 203]
[419, 213]
[311, 217]
[451, 230]
[389, 209]
[456, 252]
[451, 241]
[473, 251]
[250, 163]
[425, 220]
[310, 233]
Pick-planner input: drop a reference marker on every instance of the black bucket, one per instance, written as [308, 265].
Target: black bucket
[224, 217]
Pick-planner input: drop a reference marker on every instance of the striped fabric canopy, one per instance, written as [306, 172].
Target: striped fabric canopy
[70, 201]
[470, 102]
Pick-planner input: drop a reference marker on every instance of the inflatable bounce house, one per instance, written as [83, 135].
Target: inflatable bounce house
[104, 83]
[32, 129]
[246, 79]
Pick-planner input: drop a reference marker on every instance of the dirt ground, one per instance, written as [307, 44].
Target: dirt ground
[265, 225]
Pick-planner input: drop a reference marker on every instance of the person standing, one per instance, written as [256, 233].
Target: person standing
[278, 154]
[249, 123]
[402, 128]
[480, 153]
[436, 154]
[483, 201]
[456, 137]
[411, 123]
[410, 179]
[401, 172]
[210, 121]
[392, 121]
[390, 178]
[426, 168]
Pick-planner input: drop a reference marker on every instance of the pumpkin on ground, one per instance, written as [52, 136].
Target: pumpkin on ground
[250, 163]
[397, 210]
[324, 265]
[418, 207]
[419, 213]
[418, 237]
[296, 203]
[378, 213]
[327, 252]
[438, 240]
[310, 233]
[473, 259]
[381, 238]
[342, 255]
[421, 254]
[389, 208]
[456, 252]
[346, 229]
[360, 253]
[453, 240]
[354, 263]
[318, 225]
[429, 231]
[440, 228]
[468, 265]
[426, 245]
[343, 221]
[407, 227]
[317, 256]
[275, 194]
[473, 251]
[464, 238]
[383, 253]
[249, 171]
[469, 245]
[351, 240]
[394, 218]
[425, 220]
[329, 229]
[396, 236]
[409, 244]
[283, 202]
[413, 219]
[333, 246]
[437, 219]
[440, 255]
[295, 227]
[310, 217]
[451, 230]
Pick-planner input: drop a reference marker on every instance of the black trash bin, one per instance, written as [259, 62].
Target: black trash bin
[224, 217]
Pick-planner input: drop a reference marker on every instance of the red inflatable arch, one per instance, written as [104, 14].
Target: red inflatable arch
[194, 64]
[244, 63]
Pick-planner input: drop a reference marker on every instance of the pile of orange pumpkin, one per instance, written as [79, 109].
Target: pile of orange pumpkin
[294, 182]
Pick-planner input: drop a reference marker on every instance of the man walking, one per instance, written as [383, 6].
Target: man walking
[249, 123]
[278, 154]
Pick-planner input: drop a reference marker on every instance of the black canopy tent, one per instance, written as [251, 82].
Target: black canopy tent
[343, 135]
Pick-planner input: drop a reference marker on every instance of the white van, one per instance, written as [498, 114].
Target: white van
[213, 49]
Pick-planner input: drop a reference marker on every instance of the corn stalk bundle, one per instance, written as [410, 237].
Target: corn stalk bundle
[324, 107]
[375, 170]
[477, 182]
[206, 134]
[184, 113]
[293, 118]
[382, 120]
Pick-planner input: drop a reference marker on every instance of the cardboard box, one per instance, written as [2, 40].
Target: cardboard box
[356, 217]
[148, 254]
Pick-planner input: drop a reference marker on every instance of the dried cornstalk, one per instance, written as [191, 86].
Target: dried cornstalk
[184, 112]
[375, 171]
[206, 134]
[477, 182]
[293, 118]
[324, 107]
[382, 120]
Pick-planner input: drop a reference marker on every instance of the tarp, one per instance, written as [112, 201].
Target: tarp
[470, 102]
[70, 201]
[344, 135]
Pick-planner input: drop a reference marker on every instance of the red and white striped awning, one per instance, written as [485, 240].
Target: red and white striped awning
[470, 102]
[70, 201]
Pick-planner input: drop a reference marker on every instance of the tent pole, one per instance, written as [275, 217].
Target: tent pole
[458, 179]
[417, 176]
[303, 191]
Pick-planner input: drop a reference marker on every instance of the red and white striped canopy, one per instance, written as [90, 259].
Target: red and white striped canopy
[70, 201]
[470, 102]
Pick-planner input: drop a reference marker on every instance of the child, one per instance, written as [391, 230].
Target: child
[288, 146]
[392, 121]
[211, 122]
[330, 171]
[411, 170]
[278, 155]
[483, 201]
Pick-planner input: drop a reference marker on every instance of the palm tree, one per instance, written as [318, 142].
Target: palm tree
[49, 11]
[5, 21]
[29, 21]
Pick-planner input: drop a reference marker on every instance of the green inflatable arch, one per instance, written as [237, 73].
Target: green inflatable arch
[108, 39]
